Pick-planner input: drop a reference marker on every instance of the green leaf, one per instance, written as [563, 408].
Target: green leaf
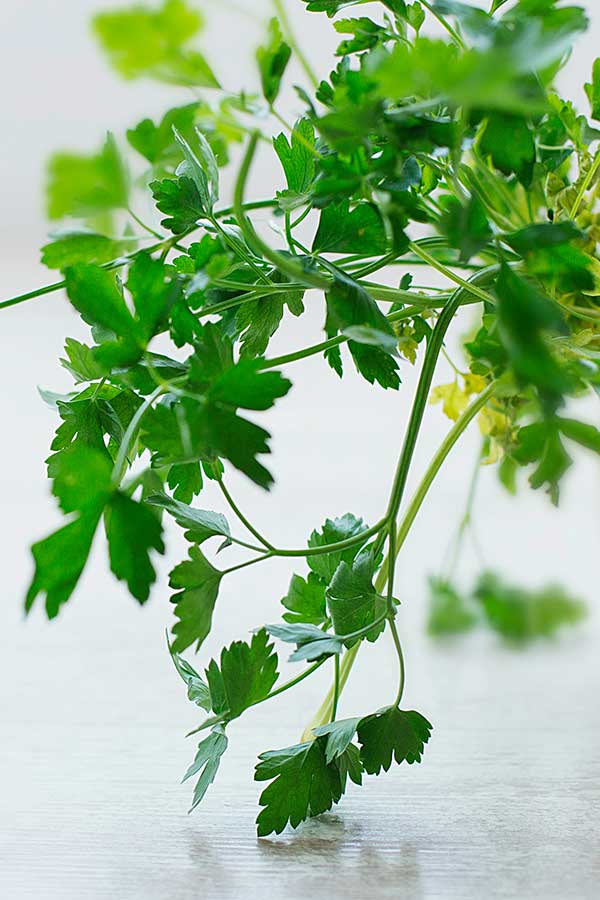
[311, 642]
[207, 761]
[520, 615]
[71, 247]
[466, 226]
[298, 163]
[304, 785]
[201, 524]
[525, 316]
[258, 320]
[132, 532]
[185, 480]
[156, 143]
[197, 584]
[339, 736]
[586, 435]
[80, 185]
[352, 601]
[540, 444]
[244, 385]
[152, 43]
[357, 230]
[245, 675]
[81, 477]
[593, 90]
[81, 362]
[509, 142]
[392, 734]
[201, 166]
[197, 689]
[449, 612]
[59, 561]
[334, 531]
[180, 200]
[305, 600]
[365, 35]
[272, 62]
[351, 311]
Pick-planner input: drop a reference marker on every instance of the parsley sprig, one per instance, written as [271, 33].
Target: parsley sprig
[414, 153]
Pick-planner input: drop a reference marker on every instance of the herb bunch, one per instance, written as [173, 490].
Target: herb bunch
[451, 153]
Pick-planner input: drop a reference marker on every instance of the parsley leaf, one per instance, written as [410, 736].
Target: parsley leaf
[520, 615]
[197, 584]
[449, 612]
[392, 734]
[133, 532]
[80, 185]
[272, 62]
[207, 761]
[142, 42]
[298, 163]
[334, 531]
[201, 524]
[305, 600]
[352, 601]
[304, 785]
[245, 675]
[342, 230]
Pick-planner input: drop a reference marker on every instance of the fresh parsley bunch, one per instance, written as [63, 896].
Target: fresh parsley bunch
[452, 153]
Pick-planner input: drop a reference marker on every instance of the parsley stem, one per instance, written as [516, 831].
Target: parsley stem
[402, 671]
[248, 562]
[467, 285]
[291, 39]
[245, 522]
[587, 181]
[445, 24]
[143, 225]
[336, 686]
[289, 266]
[131, 434]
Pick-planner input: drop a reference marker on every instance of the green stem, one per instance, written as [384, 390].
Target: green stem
[336, 686]
[402, 672]
[143, 225]
[248, 562]
[245, 522]
[466, 284]
[291, 39]
[445, 24]
[587, 181]
[287, 265]
[131, 434]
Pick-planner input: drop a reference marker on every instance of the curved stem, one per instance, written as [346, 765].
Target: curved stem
[445, 24]
[287, 265]
[291, 39]
[245, 522]
[402, 671]
[587, 181]
[468, 285]
[131, 433]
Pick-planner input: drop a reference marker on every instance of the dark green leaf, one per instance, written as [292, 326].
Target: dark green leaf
[352, 601]
[245, 675]
[132, 532]
[333, 532]
[392, 734]
[344, 230]
[272, 62]
[305, 600]
[510, 144]
[339, 736]
[197, 586]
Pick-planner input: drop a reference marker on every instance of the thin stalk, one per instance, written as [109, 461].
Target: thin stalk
[467, 285]
[291, 39]
[401, 667]
[131, 434]
[587, 181]
[445, 24]
[336, 686]
[290, 267]
[248, 562]
[245, 522]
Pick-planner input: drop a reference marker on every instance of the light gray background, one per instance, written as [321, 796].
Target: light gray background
[93, 717]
